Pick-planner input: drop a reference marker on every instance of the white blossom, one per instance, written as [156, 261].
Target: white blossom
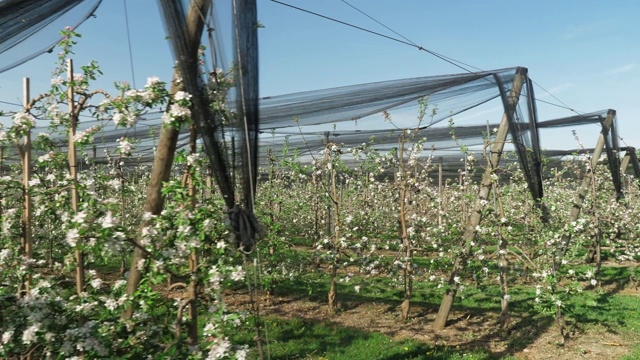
[6, 336]
[152, 80]
[238, 274]
[182, 95]
[29, 335]
[219, 349]
[72, 237]
[107, 220]
[58, 80]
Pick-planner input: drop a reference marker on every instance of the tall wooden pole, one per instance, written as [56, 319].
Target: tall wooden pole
[165, 153]
[329, 219]
[192, 333]
[440, 191]
[245, 15]
[633, 159]
[624, 164]
[404, 235]
[483, 195]
[26, 177]
[73, 172]
[586, 181]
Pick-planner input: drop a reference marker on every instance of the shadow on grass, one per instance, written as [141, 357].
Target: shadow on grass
[594, 307]
[310, 339]
[478, 311]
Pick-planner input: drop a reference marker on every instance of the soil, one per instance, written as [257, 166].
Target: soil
[524, 338]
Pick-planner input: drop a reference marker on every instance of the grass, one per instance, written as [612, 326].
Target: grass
[305, 339]
[635, 354]
[301, 339]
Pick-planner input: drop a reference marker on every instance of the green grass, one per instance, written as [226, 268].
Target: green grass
[635, 354]
[301, 339]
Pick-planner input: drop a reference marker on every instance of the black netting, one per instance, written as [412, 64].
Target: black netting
[471, 101]
[352, 116]
[354, 113]
[453, 94]
[524, 136]
[611, 139]
[247, 97]
[612, 147]
[207, 121]
[595, 117]
[633, 159]
[29, 28]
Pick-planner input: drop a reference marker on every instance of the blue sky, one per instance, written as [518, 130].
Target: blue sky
[585, 52]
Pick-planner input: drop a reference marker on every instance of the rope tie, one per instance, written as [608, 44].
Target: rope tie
[245, 229]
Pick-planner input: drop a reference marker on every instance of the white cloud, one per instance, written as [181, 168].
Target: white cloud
[621, 69]
[573, 31]
[560, 88]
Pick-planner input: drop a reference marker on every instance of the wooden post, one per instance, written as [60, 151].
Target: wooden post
[245, 16]
[26, 177]
[192, 332]
[586, 182]
[440, 192]
[633, 156]
[624, 164]
[123, 204]
[335, 233]
[483, 195]
[165, 154]
[404, 235]
[73, 172]
[329, 219]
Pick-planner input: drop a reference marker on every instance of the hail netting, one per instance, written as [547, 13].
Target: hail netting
[353, 116]
[246, 78]
[209, 122]
[472, 100]
[631, 151]
[244, 223]
[29, 28]
[299, 121]
[612, 146]
[524, 136]
[611, 142]
[355, 113]
[452, 93]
